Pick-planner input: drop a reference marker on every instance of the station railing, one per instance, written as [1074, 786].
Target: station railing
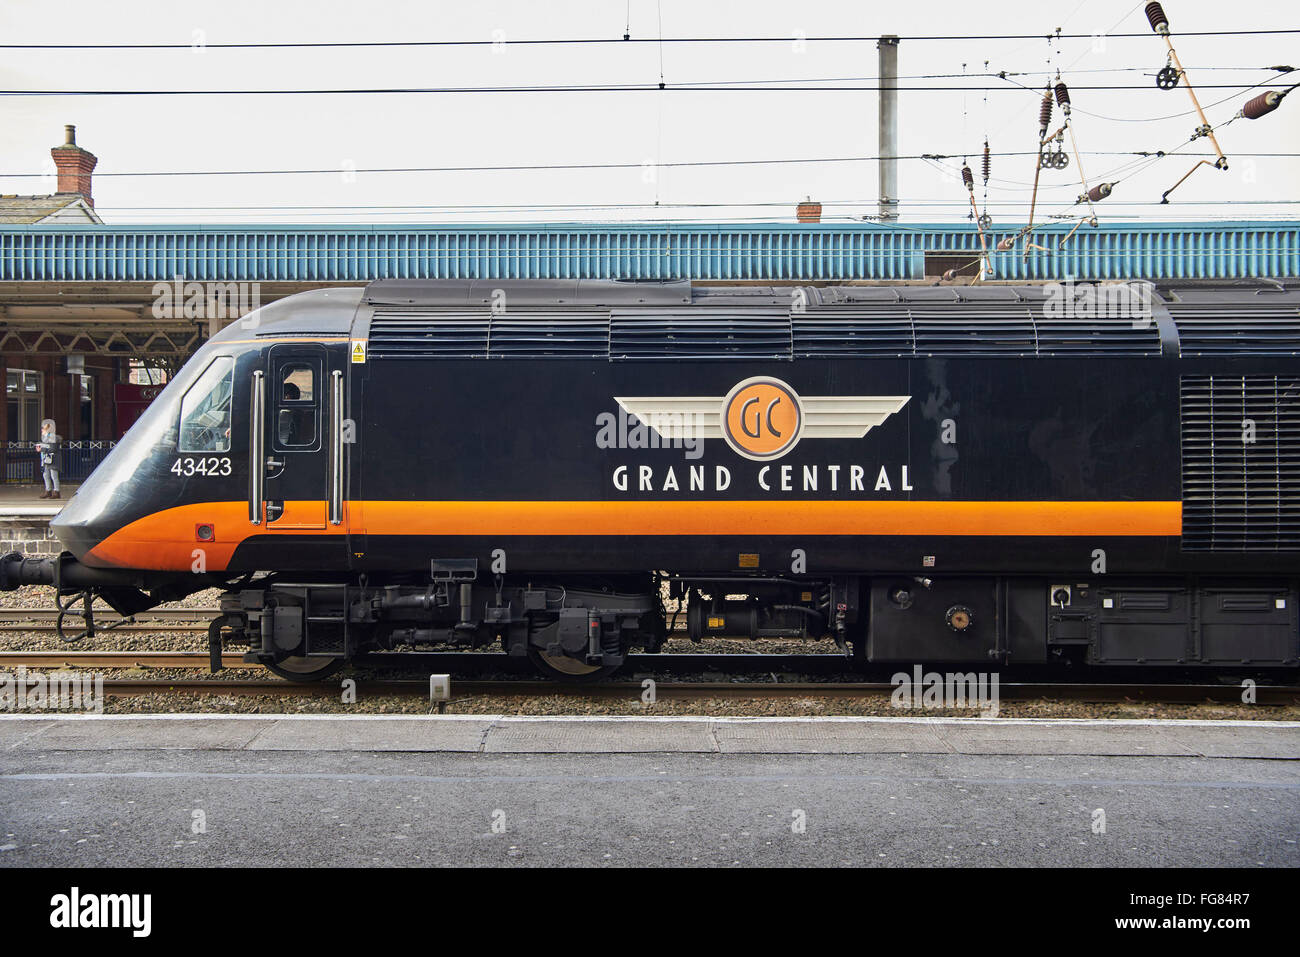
[76, 460]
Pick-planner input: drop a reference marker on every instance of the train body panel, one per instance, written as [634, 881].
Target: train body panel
[545, 455]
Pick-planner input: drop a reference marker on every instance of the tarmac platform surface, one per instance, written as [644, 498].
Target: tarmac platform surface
[519, 734]
[419, 791]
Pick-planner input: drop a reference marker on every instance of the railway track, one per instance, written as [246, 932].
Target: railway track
[42, 621]
[626, 689]
[154, 614]
[782, 681]
[782, 670]
[697, 690]
[116, 659]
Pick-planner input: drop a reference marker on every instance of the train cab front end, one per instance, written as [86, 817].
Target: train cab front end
[181, 501]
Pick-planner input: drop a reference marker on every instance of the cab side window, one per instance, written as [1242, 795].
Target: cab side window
[296, 412]
[205, 410]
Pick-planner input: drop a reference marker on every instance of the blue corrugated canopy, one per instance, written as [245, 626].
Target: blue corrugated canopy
[722, 251]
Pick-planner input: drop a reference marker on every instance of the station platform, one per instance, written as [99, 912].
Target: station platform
[426, 791]
[25, 519]
[522, 734]
[19, 499]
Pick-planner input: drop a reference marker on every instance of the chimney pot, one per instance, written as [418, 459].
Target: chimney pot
[809, 211]
[75, 166]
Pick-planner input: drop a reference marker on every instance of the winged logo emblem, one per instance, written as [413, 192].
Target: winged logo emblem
[762, 418]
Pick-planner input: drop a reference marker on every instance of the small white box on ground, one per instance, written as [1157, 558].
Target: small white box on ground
[439, 687]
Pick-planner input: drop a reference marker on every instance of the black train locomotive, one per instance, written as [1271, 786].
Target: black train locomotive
[1008, 475]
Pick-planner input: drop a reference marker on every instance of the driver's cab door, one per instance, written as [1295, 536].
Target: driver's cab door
[296, 440]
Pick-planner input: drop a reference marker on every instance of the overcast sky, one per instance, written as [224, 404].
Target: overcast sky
[132, 134]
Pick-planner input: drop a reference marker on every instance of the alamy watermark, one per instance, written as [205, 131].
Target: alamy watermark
[662, 430]
[75, 909]
[1092, 300]
[931, 690]
[24, 690]
[179, 299]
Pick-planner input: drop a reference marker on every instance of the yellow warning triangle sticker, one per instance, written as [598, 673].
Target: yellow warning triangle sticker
[358, 350]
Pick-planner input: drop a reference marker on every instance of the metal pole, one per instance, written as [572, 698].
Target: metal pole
[888, 73]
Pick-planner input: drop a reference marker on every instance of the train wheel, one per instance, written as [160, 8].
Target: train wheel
[306, 669]
[564, 668]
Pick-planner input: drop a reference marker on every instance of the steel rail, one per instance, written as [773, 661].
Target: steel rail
[42, 627]
[156, 614]
[131, 660]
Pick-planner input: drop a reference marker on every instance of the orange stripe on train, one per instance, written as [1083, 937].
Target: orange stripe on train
[164, 540]
[774, 517]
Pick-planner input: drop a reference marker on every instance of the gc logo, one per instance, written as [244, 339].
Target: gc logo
[762, 418]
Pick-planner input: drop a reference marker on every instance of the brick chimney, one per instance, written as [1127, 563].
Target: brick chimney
[809, 212]
[75, 166]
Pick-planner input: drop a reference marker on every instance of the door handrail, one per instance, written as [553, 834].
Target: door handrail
[256, 448]
[336, 447]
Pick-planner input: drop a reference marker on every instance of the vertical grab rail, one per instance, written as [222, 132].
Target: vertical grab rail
[256, 449]
[336, 448]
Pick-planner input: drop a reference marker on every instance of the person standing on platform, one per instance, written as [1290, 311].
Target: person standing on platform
[48, 446]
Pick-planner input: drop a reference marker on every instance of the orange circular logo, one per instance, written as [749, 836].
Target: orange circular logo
[762, 418]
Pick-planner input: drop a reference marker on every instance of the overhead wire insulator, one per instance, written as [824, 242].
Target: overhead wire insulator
[988, 162]
[1100, 192]
[1005, 243]
[1045, 115]
[1156, 16]
[950, 275]
[967, 178]
[1262, 105]
[1063, 97]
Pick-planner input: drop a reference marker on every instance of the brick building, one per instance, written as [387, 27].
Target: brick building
[46, 371]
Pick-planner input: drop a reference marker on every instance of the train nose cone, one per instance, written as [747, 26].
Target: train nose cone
[75, 525]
